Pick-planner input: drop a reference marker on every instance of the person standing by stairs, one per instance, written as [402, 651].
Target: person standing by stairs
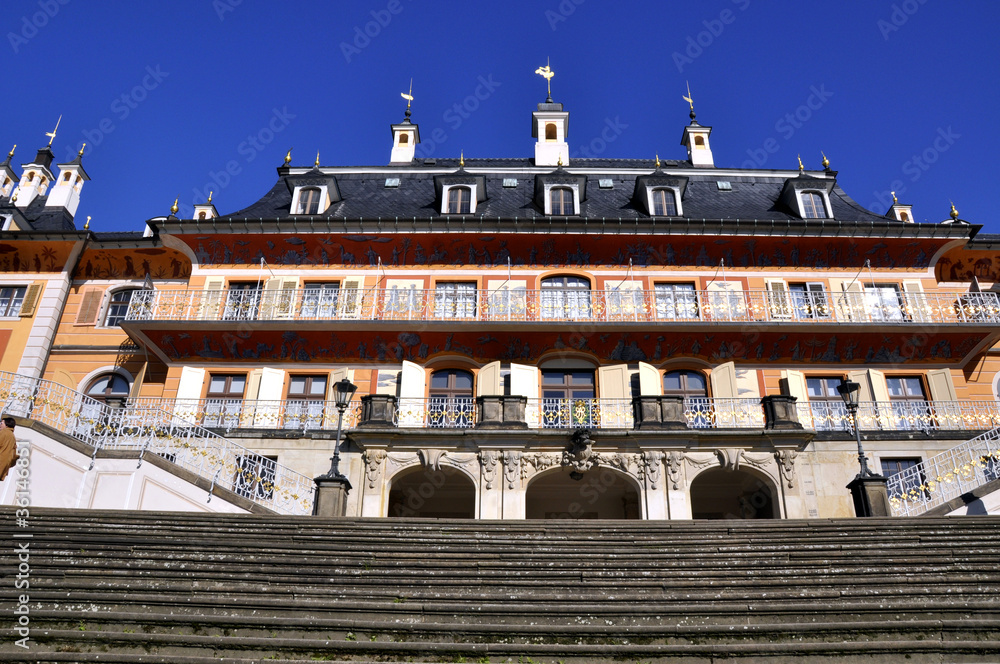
[8, 446]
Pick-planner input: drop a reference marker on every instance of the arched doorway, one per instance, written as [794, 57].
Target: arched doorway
[432, 494]
[601, 493]
[731, 494]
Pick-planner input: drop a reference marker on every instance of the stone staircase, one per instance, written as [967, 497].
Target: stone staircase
[195, 588]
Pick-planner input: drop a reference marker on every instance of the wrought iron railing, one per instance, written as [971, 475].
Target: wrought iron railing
[147, 428]
[901, 415]
[709, 413]
[231, 414]
[941, 478]
[620, 306]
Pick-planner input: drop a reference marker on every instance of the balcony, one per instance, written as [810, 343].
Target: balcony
[540, 306]
[902, 415]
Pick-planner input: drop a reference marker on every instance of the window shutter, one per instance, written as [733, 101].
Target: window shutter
[488, 380]
[272, 383]
[524, 383]
[212, 299]
[350, 297]
[778, 299]
[279, 297]
[851, 302]
[90, 306]
[723, 380]
[186, 405]
[650, 382]
[30, 302]
[796, 382]
[916, 302]
[411, 395]
[861, 378]
[941, 384]
[879, 389]
[747, 386]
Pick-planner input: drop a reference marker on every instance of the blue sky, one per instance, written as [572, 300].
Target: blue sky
[179, 98]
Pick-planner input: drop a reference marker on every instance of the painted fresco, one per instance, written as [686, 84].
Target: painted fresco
[553, 250]
[963, 264]
[20, 256]
[157, 262]
[792, 347]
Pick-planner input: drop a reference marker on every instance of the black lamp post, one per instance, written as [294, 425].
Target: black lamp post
[868, 490]
[343, 392]
[850, 392]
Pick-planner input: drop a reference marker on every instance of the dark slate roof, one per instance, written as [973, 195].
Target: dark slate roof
[365, 196]
[39, 217]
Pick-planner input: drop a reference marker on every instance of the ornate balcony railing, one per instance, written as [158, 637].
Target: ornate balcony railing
[148, 428]
[902, 415]
[230, 414]
[541, 306]
[948, 475]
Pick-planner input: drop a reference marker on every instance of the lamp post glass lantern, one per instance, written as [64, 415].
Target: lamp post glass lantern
[850, 393]
[343, 392]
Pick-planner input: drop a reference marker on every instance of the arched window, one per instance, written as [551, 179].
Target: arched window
[108, 385]
[41, 183]
[904, 217]
[459, 200]
[812, 206]
[566, 298]
[67, 177]
[664, 204]
[699, 141]
[451, 400]
[685, 384]
[201, 215]
[309, 200]
[568, 399]
[404, 139]
[561, 201]
[31, 176]
[551, 132]
[118, 306]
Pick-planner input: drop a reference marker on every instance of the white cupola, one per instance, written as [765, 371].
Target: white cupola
[35, 179]
[66, 191]
[549, 126]
[405, 136]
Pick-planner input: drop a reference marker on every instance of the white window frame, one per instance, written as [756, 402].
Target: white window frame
[472, 197]
[15, 314]
[575, 188]
[324, 198]
[106, 305]
[823, 196]
[677, 201]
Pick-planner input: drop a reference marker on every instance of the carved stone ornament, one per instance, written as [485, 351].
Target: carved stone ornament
[512, 468]
[373, 462]
[675, 461]
[786, 463]
[580, 454]
[488, 460]
[652, 468]
[536, 462]
[431, 458]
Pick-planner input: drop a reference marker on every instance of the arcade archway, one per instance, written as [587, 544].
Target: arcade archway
[602, 493]
[732, 494]
[434, 494]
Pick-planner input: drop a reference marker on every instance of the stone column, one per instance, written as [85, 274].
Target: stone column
[659, 412]
[501, 412]
[331, 496]
[871, 495]
[780, 412]
[490, 484]
[377, 411]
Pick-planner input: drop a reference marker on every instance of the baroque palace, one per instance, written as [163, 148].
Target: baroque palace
[528, 338]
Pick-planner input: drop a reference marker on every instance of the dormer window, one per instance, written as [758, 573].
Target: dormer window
[201, 216]
[699, 142]
[663, 203]
[404, 139]
[459, 200]
[812, 205]
[551, 133]
[561, 201]
[309, 200]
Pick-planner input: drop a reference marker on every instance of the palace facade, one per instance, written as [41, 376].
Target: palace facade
[529, 338]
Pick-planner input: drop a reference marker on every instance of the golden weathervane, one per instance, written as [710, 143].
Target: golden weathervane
[52, 134]
[547, 73]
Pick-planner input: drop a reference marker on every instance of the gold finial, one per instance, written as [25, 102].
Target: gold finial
[82, 148]
[801, 167]
[461, 159]
[894, 199]
[288, 157]
[559, 163]
[688, 99]
[174, 208]
[13, 199]
[86, 225]
[210, 196]
[547, 73]
[11, 153]
[954, 212]
[826, 162]
[52, 134]
[316, 164]
[657, 160]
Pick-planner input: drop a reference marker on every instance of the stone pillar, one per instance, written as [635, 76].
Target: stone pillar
[659, 412]
[780, 412]
[871, 495]
[377, 411]
[331, 496]
[501, 412]
[491, 484]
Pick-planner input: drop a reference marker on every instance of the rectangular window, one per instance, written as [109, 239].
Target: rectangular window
[242, 301]
[305, 403]
[11, 298]
[884, 302]
[663, 203]
[118, 307]
[910, 409]
[224, 401]
[809, 300]
[909, 468]
[455, 300]
[320, 300]
[677, 301]
[826, 406]
[404, 302]
[568, 399]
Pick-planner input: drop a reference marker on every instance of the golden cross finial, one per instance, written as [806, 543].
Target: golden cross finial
[52, 134]
[210, 196]
[801, 167]
[559, 163]
[688, 99]
[82, 148]
[408, 96]
[547, 73]
[86, 225]
[317, 159]
[11, 153]
[288, 157]
[174, 208]
[13, 199]
[894, 199]
[954, 212]
[826, 162]
[461, 158]
[657, 160]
